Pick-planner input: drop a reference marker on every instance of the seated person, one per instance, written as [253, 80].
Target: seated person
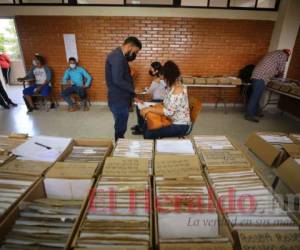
[157, 91]
[175, 106]
[80, 81]
[40, 74]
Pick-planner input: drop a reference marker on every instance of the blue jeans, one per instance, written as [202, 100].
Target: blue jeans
[120, 115]
[258, 87]
[66, 94]
[45, 91]
[170, 131]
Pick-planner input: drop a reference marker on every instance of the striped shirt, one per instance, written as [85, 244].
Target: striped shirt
[273, 64]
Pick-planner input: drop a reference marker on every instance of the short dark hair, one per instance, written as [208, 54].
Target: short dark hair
[156, 65]
[40, 58]
[72, 59]
[170, 72]
[134, 41]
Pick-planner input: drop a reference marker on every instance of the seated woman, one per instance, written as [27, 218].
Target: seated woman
[41, 76]
[175, 106]
[157, 91]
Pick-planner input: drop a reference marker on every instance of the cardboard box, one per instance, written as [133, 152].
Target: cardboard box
[9, 143]
[224, 80]
[295, 91]
[275, 85]
[212, 81]
[37, 192]
[200, 80]
[69, 181]
[271, 154]
[187, 80]
[285, 88]
[90, 142]
[295, 138]
[235, 81]
[288, 172]
[266, 239]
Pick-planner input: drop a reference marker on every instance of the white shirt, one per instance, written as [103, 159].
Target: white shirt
[157, 90]
[40, 75]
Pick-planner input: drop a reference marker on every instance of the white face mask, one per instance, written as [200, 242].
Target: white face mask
[72, 65]
[34, 63]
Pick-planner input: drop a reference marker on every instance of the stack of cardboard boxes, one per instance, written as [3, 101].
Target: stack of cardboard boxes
[222, 80]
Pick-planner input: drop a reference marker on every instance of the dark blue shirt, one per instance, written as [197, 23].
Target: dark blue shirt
[118, 79]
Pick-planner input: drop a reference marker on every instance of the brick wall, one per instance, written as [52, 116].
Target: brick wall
[199, 46]
[294, 69]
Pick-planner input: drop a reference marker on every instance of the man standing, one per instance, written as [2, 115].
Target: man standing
[273, 64]
[80, 81]
[5, 66]
[120, 83]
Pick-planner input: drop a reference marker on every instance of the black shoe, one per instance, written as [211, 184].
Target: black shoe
[260, 115]
[52, 106]
[13, 104]
[6, 107]
[251, 119]
[137, 132]
[30, 110]
[136, 127]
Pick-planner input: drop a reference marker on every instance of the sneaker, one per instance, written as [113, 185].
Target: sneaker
[52, 106]
[137, 132]
[251, 119]
[30, 110]
[86, 108]
[13, 104]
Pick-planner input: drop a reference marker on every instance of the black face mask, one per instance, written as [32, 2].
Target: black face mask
[130, 56]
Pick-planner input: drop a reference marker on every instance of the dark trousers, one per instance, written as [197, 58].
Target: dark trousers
[6, 75]
[140, 119]
[4, 99]
[170, 131]
[257, 89]
[66, 94]
[120, 115]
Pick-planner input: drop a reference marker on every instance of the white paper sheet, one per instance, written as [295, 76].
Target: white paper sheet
[145, 105]
[70, 46]
[276, 138]
[175, 147]
[30, 150]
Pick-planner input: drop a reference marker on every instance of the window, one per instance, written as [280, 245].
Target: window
[149, 2]
[268, 4]
[218, 3]
[242, 3]
[194, 3]
[105, 2]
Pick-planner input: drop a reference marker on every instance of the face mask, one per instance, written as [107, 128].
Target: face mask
[72, 65]
[34, 63]
[130, 56]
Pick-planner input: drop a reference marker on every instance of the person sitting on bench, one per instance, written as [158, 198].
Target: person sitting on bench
[40, 74]
[80, 80]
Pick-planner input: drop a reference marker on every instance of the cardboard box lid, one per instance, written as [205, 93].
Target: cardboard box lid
[72, 170]
[177, 165]
[195, 246]
[288, 172]
[263, 149]
[124, 166]
[293, 150]
[269, 239]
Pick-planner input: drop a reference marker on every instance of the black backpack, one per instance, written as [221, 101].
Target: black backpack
[246, 72]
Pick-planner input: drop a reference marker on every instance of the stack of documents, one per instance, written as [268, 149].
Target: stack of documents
[135, 149]
[218, 151]
[184, 208]
[87, 154]
[118, 215]
[43, 224]
[34, 168]
[246, 201]
[173, 146]
[42, 148]
[213, 142]
[276, 139]
[12, 187]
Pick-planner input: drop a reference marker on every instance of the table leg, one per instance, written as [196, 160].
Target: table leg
[275, 182]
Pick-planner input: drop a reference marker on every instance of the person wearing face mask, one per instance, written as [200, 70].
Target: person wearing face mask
[40, 75]
[120, 83]
[157, 90]
[79, 81]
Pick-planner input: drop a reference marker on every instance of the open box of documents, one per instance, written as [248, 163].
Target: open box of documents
[185, 214]
[88, 151]
[174, 146]
[48, 215]
[295, 138]
[119, 215]
[133, 148]
[269, 147]
[219, 151]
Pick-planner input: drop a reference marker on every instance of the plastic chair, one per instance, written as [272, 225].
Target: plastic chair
[76, 98]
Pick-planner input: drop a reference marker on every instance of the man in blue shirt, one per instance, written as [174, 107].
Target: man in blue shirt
[80, 81]
[120, 84]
